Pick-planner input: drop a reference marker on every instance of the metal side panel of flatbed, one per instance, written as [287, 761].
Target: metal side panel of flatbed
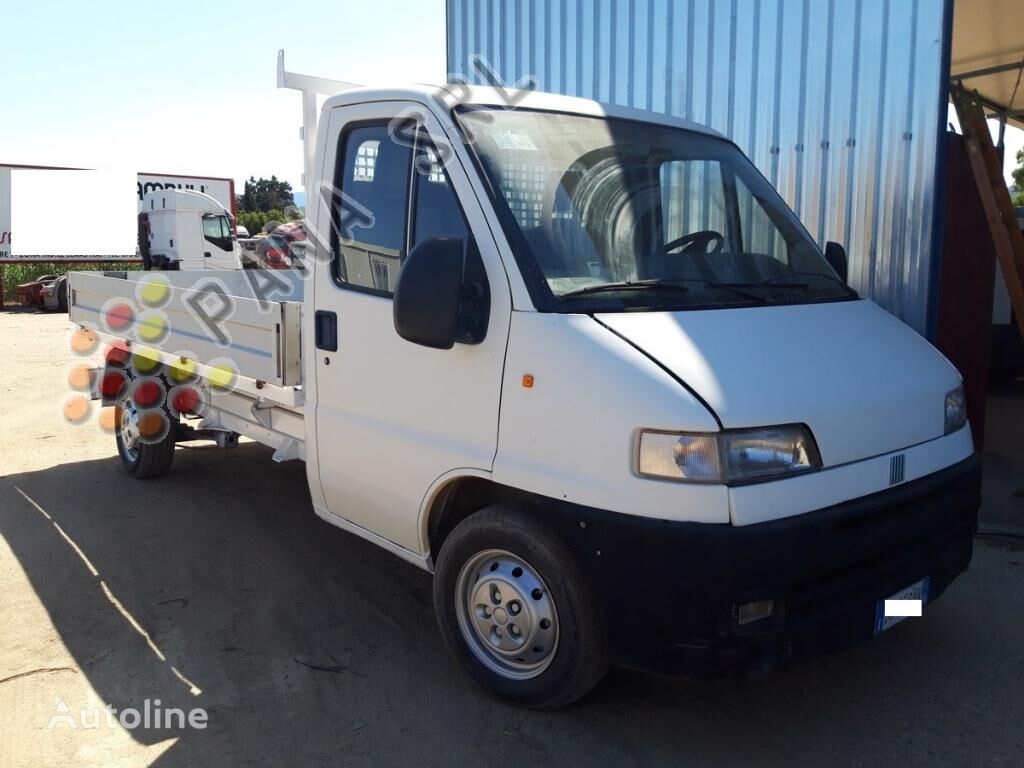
[211, 317]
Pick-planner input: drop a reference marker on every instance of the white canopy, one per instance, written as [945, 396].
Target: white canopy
[988, 53]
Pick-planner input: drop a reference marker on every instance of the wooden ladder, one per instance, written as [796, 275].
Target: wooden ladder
[995, 197]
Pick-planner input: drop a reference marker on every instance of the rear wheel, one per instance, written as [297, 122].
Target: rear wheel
[516, 610]
[144, 427]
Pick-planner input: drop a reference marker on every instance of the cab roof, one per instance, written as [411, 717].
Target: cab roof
[455, 94]
[174, 199]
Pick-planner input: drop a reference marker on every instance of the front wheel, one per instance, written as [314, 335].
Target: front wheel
[516, 610]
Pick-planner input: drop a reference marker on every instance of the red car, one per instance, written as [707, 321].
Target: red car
[30, 294]
[283, 247]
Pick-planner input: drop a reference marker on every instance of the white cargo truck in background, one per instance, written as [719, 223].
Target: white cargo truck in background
[587, 369]
[219, 188]
[181, 229]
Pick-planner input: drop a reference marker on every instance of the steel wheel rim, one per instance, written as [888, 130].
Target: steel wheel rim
[128, 430]
[506, 614]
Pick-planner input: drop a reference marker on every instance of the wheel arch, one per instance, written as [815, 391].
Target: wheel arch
[455, 497]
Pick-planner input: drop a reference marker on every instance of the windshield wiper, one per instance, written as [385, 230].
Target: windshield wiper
[778, 280]
[737, 289]
[677, 286]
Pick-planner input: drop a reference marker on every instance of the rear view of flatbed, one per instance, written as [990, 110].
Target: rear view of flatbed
[240, 343]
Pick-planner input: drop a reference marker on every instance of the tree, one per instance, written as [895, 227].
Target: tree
[257, 221]
[266, 195]
[1018, 178]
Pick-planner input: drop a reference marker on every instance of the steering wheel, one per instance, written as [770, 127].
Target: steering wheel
[696, 242]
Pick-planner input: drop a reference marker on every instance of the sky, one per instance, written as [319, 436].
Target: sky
[189, 87]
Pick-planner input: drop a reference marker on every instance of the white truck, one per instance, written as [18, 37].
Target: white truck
[582, 364]
[220, 188]
[181, 229]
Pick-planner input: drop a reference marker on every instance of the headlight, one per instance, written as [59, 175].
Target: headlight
[733, 456]
[956, 409]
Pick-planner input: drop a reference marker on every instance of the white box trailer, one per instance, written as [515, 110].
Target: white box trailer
[607, 390]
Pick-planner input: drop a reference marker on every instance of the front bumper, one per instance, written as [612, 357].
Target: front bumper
[670, 589]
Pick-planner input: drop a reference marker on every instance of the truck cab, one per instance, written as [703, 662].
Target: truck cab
[584, 365]
[182, 229]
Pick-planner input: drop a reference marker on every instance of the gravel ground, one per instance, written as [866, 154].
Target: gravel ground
[217, 587]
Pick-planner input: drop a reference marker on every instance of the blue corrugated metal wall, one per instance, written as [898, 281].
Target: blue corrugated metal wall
[838, 102]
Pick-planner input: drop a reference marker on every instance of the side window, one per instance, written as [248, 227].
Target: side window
[436, 211]
[217, 230]
[373, 174]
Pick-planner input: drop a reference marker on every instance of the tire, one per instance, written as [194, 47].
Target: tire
[62, 296]
[142, 460]
[562, 650]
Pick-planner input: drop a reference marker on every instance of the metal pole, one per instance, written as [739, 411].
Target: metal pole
[310, 86]
[988, 71]
[308, 140]
[1001, 145]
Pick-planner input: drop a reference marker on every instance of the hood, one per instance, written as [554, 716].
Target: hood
[864, 382]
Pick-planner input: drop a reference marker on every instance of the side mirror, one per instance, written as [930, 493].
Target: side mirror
[428, 293]
[835, 255]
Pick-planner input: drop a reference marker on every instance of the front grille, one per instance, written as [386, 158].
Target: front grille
[867, 548]
[897, 469]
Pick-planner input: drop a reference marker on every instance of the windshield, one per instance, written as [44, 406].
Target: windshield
[618, 215]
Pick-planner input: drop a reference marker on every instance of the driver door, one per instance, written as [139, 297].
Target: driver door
[393, 417]
[219, 247]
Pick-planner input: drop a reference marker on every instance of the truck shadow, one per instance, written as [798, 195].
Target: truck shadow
[217, 587]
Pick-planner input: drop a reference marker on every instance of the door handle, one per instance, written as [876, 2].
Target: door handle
[207, 254]
[326, 330]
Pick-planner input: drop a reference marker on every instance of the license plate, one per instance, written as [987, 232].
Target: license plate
[916, 591]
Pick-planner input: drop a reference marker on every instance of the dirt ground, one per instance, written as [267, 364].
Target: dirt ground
[217, 587]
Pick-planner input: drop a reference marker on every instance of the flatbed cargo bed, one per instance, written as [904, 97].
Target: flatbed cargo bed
[210, 317]
[217, 321]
